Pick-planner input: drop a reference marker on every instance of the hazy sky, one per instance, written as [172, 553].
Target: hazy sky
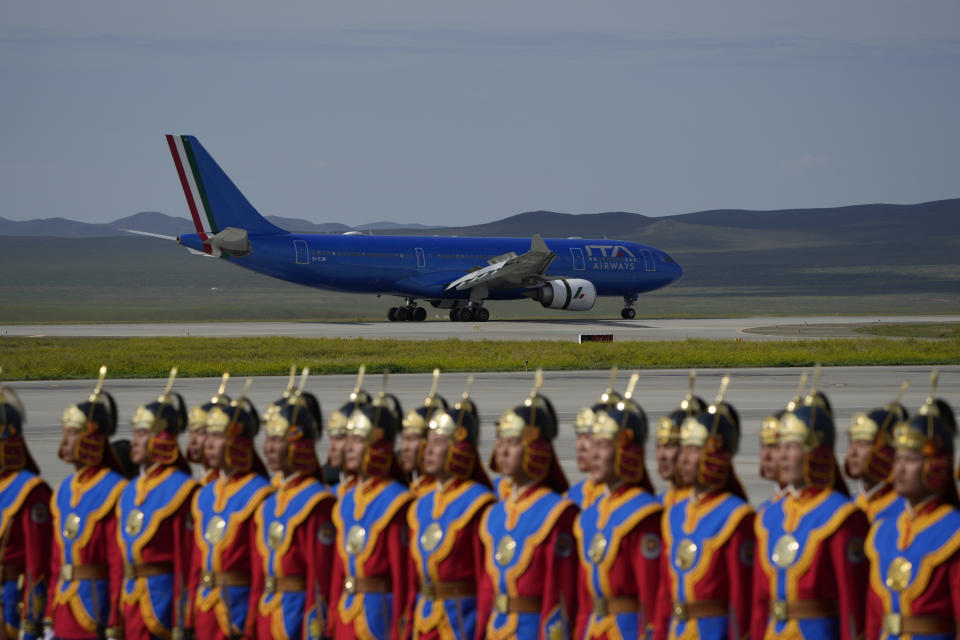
[452, 112]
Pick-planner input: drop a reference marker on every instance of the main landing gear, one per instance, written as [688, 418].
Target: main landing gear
[628, 312]
[408, 312]
[470, 313]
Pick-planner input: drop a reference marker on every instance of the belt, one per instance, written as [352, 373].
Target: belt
[70, 572]
[616, 605]
[897, 624]
[353, 585]
[802, 609]
[446, 590]
[701, 609]
[10, 572]
[283, 584]
[503, 603]
[145, 569]
[212, 579]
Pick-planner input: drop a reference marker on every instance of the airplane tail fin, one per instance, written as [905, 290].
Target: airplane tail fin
[215, 202]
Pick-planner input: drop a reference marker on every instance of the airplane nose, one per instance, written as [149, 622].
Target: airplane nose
[678, 271]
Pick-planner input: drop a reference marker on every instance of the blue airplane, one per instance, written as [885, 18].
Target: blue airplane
[452, 273]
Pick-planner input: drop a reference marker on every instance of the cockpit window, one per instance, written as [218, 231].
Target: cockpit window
[667, 258]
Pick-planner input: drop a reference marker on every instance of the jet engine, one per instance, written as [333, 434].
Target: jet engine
[572, 294]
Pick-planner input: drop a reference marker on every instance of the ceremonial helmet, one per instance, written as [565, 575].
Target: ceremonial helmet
[461, 426]
[717, 432]
[165, 419]
[583, 423]
[14, 454]
[197, 416]
[810, 424]
[625, 423]
[668, 426]
[296, 416]
[378, 423]
[239, 423]
[416, 421]
[931, 432]
[95, 420]
[876, 427]
[337, 423]
[535, 423]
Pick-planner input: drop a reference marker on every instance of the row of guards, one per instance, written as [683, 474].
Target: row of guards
[416, 541]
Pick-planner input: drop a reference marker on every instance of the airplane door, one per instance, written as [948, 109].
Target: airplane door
[303, 256]
[648, 263]
[421, 261]
[578, 263]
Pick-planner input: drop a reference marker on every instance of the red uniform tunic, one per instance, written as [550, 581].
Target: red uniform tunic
[371, 547]
[86, 571]
[295, 537]
[25, 537]
[530, 559]
[153, 515]
[448, 559]
[810, 551]
[225, 581]
[709, 541]
[877, 499]
[929, 587]
[619, 547]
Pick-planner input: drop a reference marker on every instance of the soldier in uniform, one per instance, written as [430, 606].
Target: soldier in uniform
[197, 425]
[413, 439]
[914, 548]
[86, 571]
[225, 581]
[153, 515]
[445, 526]
[528, 537]
[708, 534]
[25, 528]
[586, 491]
[770, 446]
[371, 577]
[337, 436]
[618, 535]
[811, 575]
[869, 458]
[295, 532]
[668, 443]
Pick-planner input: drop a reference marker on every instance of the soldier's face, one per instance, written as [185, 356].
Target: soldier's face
[510, 456]
[435, 455]
[584, 457]
[275, 453]
[407, 451]
[857, 454]
[68, 444]
[335, 451]
[602, 456]
[666, 456]
[214, 447]
[195, 445]
[139, 447]
[769, 461]
[353, 450]
[688, 465]
[791, 464]
[908, 476]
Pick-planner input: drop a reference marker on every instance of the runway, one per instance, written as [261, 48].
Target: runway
[755, 393]
[561, 329]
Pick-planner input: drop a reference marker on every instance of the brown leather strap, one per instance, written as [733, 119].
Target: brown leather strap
[803, 609]
[225, 579]
[447, 590]
[146, 569]
[616, 605]
[284, 584]
[11, 572]
[895, 624]
[69, 572]
[371, 584]
[517, 604]
[701, 609]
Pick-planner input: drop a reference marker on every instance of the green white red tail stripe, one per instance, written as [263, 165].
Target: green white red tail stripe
[192, 187]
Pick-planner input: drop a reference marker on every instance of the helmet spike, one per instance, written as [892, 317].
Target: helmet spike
[613, 376]
[290, 381]
[466, 389]
[724, 383]
[99, 387]
[815, 386]
[436, 382]
[303, 380]
[223, 383]
[164, 397]
[934, 381]
[800, 387]
[634, 378]
[360, 373]
[537, 382]
[903, 390]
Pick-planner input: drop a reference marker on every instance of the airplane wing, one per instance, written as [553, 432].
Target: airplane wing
[516, 271]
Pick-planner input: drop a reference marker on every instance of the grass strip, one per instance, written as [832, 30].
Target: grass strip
[941, 330]
[69, 358]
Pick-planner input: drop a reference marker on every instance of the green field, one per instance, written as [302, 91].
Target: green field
[940, 330]
[63, 358]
